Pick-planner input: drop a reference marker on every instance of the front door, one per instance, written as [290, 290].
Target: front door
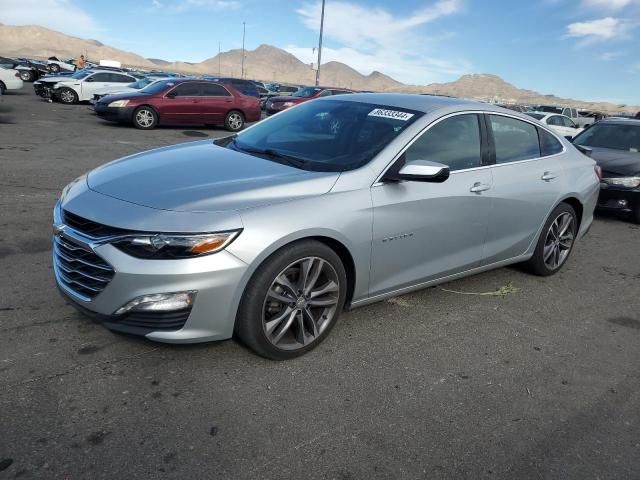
[181, 104]
[424, 231]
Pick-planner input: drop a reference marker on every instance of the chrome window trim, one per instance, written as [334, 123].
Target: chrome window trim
[378, 180]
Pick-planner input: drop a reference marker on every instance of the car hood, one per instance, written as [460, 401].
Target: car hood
[53, 79]
[619, 162]
[203, 177]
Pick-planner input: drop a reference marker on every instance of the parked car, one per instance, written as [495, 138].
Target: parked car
[9, 80]
[615, 145]
[339, 202]
[570, 112]
[246, 87]
[560, 124]
[80, 86]
[30, 71]
[128, 88]
[278, 104]
[56, 65]
[181, 101]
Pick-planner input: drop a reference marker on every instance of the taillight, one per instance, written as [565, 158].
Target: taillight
[598, 170]
[17, 74]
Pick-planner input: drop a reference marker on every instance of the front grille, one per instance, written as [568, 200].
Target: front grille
[89, 227]
[79, 270]
[156, 321]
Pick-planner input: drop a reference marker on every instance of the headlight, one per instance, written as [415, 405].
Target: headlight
[628, 182]
[288, 104]
[167, 246]
[119, 103]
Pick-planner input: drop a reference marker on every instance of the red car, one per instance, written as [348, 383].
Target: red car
[175, 101]
[278, 104]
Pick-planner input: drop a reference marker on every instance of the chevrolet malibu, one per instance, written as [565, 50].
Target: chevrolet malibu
[268, 235]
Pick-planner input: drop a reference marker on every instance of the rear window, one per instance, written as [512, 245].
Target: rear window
[537, 116]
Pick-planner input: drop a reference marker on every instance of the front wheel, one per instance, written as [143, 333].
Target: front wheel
[556, 241]
[234, 121]
[54, 68]
[145, 118]
[68, 96]
[27, 76]
[292, 301]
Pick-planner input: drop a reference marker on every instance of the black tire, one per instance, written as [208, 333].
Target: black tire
[26, 76]
[67, 96]
[234, 121]
[54, 68]
[250, 328]
[3, 88]
[145, 118]
[537, 264]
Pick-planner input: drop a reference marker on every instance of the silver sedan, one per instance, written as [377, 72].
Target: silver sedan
[270, 234]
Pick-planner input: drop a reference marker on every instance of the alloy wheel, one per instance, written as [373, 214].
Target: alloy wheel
[144, 118]
[301, 303]
[558, 241]
[235, 121]
[67, 96]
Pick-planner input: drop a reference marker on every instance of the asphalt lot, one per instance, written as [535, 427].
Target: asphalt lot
[542, 382]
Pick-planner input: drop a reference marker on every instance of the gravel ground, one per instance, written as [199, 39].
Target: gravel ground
[540, 383]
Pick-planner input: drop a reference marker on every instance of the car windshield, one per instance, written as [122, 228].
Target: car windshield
[80, 74]
[537, 116]
[143, 82]
[306, 92]
[327, 136]
[157, 87]
[616, 136]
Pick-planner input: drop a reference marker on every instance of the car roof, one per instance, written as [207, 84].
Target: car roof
[423, 103]
[621, 121]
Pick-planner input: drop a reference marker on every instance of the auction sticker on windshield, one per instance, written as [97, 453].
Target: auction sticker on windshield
[395, 114]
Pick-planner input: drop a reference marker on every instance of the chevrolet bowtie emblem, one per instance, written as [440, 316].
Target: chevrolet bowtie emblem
[58, 228]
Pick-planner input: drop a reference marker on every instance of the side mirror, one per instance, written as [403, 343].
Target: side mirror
[421, 171]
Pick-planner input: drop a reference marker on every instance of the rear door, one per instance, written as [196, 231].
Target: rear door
[92, 83]
[525, 184]
[215, 102]
[424, 231]
[181, 104]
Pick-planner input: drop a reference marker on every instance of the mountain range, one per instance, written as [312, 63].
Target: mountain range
[269, 63]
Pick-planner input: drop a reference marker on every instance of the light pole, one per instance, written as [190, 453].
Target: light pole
[320, 45]
[219, 59]
[244, 30]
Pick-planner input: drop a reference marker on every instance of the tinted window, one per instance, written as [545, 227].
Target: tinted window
[514, 139]
[338, 92]
[454, 141]
[567, 122]
[101, 77]
[116, 77]
[187, 90]
[326, 93]
[331, 135]
[549, 144]
[213, 90]
[556, 121]
[306, 92]
[611, 135]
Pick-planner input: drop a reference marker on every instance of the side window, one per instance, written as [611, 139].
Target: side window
[555, 120]
[116, 77]
[214, 90]
[454, 141]
[101, 77]
[566, 111]
[574, 113]
[325, 93]
[549, 145]
[187, 90]
[514, 139]
[567, 122]
[338, 92]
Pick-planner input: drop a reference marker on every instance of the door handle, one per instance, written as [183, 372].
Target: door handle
[548, 176]
[479, 187]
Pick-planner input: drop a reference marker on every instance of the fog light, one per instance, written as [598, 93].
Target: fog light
[623, 203]
[159, 302]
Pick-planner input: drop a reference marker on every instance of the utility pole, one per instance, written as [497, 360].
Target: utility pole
[244, 30]
[219, 59]
[320, 45]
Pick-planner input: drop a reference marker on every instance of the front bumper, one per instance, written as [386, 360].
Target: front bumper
[114, 114]
[618, 198]
[216, 278]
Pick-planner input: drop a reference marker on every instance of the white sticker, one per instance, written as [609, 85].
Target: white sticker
[379, 112]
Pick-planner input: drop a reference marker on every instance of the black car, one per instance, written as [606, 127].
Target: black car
[615, 146]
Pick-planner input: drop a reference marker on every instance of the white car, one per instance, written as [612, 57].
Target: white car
[9, 80]
[561, 124]
[80, 88]
[131, 87]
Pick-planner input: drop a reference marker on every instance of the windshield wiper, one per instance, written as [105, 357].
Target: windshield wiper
[273, 154]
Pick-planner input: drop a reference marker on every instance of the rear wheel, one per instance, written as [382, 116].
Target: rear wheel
[145, 118]
[556, 241]
[292, 301]
[68, 96]
[234, 121]
[54, 68]
[27, 76]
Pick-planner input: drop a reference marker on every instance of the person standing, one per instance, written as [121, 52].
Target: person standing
[81, 63]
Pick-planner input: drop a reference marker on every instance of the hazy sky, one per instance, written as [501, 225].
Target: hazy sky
[586, 49]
